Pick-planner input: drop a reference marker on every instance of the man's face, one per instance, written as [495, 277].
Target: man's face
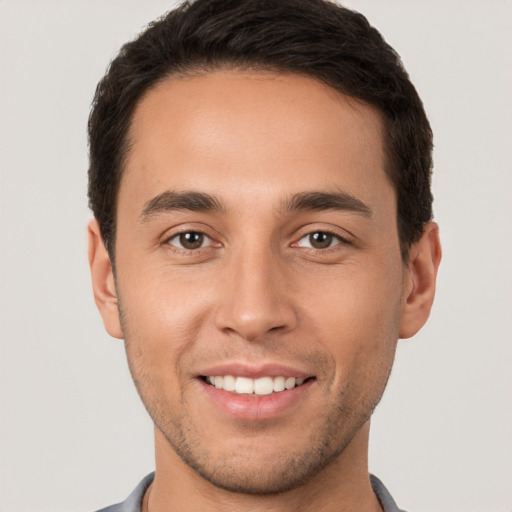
[256, 243]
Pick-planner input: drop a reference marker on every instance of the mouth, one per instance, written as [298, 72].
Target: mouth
[255, 391]
[261, 386]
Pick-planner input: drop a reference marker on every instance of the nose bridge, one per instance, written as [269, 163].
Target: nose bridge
[255, 296]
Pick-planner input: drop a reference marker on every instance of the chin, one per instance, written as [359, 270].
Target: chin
[245, 468]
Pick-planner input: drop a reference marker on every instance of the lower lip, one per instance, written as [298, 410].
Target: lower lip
[256, 407]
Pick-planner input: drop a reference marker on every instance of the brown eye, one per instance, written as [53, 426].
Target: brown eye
[189, 240]
[319, 240]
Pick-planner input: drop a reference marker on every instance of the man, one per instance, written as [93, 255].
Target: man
[260, 181]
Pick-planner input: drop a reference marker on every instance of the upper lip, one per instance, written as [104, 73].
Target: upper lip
[253, 371]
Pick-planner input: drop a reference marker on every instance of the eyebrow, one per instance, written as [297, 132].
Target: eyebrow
[328, 201]
[170, 201]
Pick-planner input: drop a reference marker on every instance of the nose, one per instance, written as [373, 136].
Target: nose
[255, 296]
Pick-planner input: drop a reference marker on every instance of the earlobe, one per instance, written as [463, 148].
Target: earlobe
[103, 282]
[420, 286]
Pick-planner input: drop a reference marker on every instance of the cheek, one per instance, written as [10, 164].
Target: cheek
[162, 318]
[358, 316]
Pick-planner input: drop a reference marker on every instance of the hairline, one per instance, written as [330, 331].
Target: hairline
[200, 69]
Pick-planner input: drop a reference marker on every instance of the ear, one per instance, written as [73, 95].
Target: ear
[103, 283]
[420, 281]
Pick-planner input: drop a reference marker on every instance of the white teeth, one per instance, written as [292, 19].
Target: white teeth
[244, 386]
[229, 383]
[279, 384]
[289, 383]
[263, 386]
[247, 386]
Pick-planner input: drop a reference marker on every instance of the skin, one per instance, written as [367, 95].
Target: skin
[259, 289]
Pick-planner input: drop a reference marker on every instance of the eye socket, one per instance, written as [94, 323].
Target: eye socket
[319, 240]
[190, 240]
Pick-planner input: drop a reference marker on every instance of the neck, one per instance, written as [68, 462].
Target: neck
[342, 486]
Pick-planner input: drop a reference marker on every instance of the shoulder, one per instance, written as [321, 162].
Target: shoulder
[134, 502]
[385, 499]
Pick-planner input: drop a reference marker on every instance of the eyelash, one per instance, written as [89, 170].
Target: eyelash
[185, 233]
[210, 242]
[335, 236]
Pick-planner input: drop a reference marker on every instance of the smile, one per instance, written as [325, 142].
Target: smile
[259, 386]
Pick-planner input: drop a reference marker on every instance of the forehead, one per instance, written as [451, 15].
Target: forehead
[274, 133]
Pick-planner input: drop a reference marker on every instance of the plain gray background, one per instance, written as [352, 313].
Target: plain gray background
[73, 435]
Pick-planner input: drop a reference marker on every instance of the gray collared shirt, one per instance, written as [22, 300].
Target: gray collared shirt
[134, 502]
